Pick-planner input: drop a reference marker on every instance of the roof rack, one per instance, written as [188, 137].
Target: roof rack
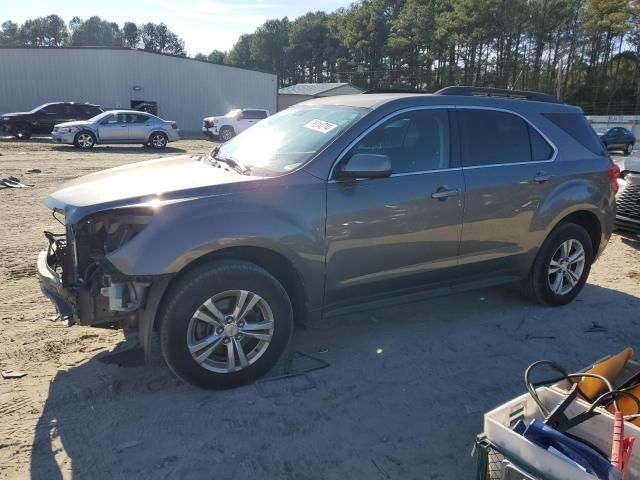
[393, 90]
[497, 92]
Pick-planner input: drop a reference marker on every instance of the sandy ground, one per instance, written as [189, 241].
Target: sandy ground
[403, 396]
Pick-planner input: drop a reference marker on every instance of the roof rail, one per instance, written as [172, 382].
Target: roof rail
[393, 90]
[497, 92]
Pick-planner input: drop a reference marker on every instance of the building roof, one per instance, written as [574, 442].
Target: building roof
[313, 89]
[126, 49]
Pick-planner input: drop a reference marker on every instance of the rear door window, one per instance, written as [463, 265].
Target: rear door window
[414, 141]
[579, 128]
[136, 118]
[540, 148]
[491, 137]
[55, 109]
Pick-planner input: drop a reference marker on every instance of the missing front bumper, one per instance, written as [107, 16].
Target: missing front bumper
[52, 288]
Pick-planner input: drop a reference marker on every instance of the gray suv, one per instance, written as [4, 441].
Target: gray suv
[331, 206]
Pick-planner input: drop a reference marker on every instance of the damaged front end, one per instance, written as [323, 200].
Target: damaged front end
[76, 275]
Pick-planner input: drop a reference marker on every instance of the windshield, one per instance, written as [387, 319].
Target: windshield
[290, 138]
[39, 108]
[233, 113]
[100, 116]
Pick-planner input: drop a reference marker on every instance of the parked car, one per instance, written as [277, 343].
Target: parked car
[42, 119]
[233, 123]
[118, 126]
[628, 197]
[618, 138]
[332, 206]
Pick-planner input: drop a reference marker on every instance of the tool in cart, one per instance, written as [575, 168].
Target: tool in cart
[610, 368]
[552, 433]
[621, 446]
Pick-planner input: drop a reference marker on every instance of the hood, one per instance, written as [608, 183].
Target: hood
[168, 179]
[629, 164]
[15, 114]
[75, 123]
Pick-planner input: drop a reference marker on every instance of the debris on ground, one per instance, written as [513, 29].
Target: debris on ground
[14, 182]
[9, 374]
[34, 170]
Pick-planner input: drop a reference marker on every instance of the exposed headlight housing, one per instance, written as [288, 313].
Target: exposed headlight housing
[111, 230]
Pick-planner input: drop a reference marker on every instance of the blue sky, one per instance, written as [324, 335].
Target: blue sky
[204, 25]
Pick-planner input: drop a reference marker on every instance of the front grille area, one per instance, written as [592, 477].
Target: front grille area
[208, 124]
[628, 202]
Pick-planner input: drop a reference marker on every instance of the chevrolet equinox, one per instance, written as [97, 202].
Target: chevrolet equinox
[331, 206]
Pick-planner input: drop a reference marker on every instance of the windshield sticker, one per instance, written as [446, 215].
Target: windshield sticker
[320, 126]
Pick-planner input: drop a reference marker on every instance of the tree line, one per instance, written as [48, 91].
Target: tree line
[586, 52]
[52, 31]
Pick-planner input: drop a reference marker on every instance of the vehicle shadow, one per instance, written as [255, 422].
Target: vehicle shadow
[404, 394]
[117, 149]
[631, 239]
[34, 139]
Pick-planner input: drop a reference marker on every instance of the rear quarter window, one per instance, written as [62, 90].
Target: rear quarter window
[579, 128]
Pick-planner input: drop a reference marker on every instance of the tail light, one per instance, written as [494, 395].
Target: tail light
[174, 126]
[613, 172]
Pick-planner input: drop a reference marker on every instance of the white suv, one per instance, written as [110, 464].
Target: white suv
[232, 123]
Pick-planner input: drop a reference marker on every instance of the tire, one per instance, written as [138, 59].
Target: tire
[23, 131]
[158, 140]
[221, 283]
[84, 140]
[628, 149]
[227, 133]
[542, 285]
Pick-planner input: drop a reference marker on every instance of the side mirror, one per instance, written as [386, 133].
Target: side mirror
[366, 165]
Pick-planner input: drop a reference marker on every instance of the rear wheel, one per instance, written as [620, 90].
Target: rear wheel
[561, 267]
[84, 140]
[225, 324]
[23, 131]
[628, 149]
[158, 140]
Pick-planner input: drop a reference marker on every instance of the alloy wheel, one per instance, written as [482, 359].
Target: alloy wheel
[230, 331]
[566, 267]
[158, 141]
[226, 135]
[85, 140]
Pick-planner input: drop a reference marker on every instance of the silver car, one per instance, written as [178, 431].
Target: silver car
[117, 126]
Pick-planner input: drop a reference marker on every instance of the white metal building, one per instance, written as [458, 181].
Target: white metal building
[301, 92]
[630, 122]
[184, 90]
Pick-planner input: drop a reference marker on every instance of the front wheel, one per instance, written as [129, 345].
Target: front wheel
[225, 324]
[84, 140]
[226, 134]
[561, 267]
[23, 131]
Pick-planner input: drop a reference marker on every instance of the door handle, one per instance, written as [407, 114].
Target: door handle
[542, 177]
[443, 193]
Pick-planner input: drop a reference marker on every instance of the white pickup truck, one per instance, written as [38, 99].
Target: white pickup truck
[234, 122]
